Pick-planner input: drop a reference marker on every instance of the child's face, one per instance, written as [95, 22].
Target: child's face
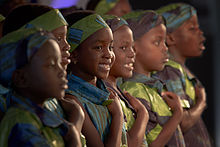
[151, 50]
[124, 52]
[189, 39]
[46, 76]
[121, 8]
[95, 55]
[60, 34]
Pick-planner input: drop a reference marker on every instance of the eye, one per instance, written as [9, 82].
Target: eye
[157, 43]
[111, 48]
[98, 47]
[123, 48]
[59, 38]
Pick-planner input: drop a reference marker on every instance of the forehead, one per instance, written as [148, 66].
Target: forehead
[160, 29]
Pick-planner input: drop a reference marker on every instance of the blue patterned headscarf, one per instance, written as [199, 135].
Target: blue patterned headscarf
[16, 50]
[140, 22]
[176, 14]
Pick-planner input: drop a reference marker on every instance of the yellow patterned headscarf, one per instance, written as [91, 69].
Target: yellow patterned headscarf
[105, 5]
[84, 28]
[48, 21]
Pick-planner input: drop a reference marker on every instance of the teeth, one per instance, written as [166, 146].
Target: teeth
[106, 66]
[129, 65]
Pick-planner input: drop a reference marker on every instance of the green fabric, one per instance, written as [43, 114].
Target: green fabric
[176, 14]
[105, 5]
[129, 115]
[190, 90]
[16, 115]
[150, 94]
[48, 21]
[84, 28]
[140, 22]
[152, 135]
[158, 105]
[114, 22]
[2, 18]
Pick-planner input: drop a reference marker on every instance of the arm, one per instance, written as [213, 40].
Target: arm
[191, 116]
[136, 134]
[88, 129]
[173, 79]
[169, 128]
[114, 136]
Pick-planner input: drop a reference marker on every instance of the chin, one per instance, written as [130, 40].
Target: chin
[102, 76]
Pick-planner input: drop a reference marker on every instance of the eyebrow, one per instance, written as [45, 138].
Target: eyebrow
[102, 41]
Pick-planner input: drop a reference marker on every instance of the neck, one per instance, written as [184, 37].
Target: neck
[86, 77]
[34, 98]
[112, 80]
[175, 56]
[138, 68]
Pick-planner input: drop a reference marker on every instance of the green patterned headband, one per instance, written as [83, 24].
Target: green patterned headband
[2, 18]
[84, 28]
[114, 22]
[48, 21]
[176, 14]
[105, 5]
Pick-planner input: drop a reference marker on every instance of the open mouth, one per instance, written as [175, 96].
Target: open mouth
[106, 67]
[201, 45]
[129, 66]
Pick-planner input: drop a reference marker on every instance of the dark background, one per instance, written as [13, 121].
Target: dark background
[206, 68]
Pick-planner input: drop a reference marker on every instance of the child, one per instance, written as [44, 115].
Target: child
[40, 16]
[123, 67]
[111, 7]
[34, 15]
[91, 58]
[28, 57]
[165, 112]
[185, 40]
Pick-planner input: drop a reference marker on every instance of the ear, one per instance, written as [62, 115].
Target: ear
[20, 79]
[170, 39]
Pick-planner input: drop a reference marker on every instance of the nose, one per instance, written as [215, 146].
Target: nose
[131, 53]
[66, 46]
[108, 53]
[164, 47]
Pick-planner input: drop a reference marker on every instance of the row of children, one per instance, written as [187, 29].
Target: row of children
[123, 88]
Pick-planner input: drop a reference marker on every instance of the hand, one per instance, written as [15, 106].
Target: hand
[74, 112]
[135, 103]
[200, 95]
[115, 107]
[173, 101]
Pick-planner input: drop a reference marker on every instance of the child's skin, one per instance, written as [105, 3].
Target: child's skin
[185, 42]
[60, 34]
[30, 81]
[123, 67]
[121, 8]
[93, 60]
[151, 55]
